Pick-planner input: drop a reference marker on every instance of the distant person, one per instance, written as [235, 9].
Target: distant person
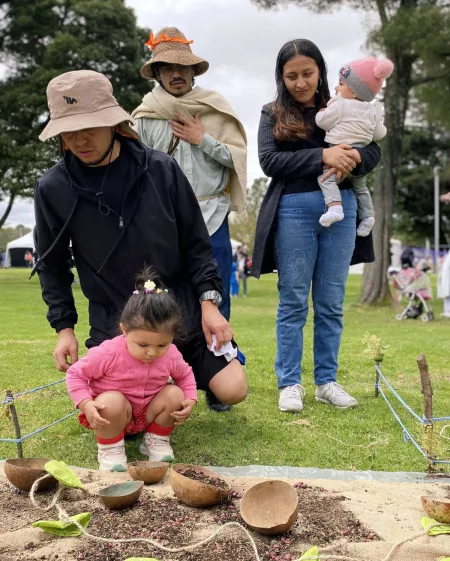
[28, 259]
[107, 379]
[289, 238]
[2, 258]
[234, 288]
[351, 119]
[243, 268]
[444, 285]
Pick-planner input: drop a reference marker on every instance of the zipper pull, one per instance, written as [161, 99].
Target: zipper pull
[120, 222]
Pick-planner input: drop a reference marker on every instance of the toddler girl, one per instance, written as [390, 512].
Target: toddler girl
[350, 118]
[122, 386]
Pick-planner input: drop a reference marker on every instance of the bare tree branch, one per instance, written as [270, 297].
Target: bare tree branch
[8, 208]
[429, 79]
[381, 6]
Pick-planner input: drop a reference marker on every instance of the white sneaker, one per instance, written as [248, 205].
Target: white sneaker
[334, 214]
[157, 448]
[365, 227]
[291, 398]
[334, 394]
[112, 457]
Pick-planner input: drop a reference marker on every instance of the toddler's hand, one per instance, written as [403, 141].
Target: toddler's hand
[91, 410]
[181, 416]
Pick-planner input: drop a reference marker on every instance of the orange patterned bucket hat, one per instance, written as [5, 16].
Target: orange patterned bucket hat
[170, 46]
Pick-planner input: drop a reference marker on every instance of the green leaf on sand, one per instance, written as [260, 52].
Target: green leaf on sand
[64, 529]
[63, 473]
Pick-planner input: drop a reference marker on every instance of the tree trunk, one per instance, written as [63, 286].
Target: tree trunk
[8, 209]
[375, 286]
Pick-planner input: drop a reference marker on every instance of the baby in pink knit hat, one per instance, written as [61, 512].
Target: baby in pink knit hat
[350, 118]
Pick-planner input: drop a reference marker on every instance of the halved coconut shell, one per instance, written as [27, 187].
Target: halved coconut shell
[121, 495]
[195, 493]
[148, 472]
[437, 508]
[23, 472]
[270, 507]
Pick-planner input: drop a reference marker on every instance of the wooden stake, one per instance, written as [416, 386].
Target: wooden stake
[427, 390]
[15, 419]
[377, 380]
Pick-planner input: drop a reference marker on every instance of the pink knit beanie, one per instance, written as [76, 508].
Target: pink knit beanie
[365, 76]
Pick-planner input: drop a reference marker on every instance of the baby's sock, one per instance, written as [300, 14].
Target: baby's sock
[365, 226]
[334, 213]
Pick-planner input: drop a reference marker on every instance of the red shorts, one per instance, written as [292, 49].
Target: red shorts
[136, 424]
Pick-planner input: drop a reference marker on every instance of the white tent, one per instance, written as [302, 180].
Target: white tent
[15, 250]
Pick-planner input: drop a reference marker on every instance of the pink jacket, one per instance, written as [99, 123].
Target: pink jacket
[110, 367]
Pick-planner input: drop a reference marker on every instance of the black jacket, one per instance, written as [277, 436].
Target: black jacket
[160, 225]
[296, 161]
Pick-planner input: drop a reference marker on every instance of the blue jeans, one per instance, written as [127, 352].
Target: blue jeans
[221, 245]
[307, 253]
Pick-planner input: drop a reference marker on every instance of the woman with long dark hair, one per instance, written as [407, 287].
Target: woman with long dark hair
[292, 151]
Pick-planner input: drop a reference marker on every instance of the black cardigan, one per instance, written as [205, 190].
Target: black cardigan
[296, 161]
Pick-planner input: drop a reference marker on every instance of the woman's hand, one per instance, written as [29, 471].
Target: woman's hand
[183, 415]
[90, 408]
[342, 157]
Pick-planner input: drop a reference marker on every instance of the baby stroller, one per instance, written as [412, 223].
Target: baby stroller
[415, 286]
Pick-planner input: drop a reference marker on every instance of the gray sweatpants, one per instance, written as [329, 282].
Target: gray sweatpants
[332, 194]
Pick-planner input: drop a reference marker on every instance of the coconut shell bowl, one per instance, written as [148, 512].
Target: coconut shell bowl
[194, 493]
[270, 507]
[23, 472]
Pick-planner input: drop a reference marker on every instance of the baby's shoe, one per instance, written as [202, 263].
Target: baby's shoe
[112, 457]
[365, 227]
[157, 448]
[334, 214]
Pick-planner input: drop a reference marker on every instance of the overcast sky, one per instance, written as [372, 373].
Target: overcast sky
[241, 44]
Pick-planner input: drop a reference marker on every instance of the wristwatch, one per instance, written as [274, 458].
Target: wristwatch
[211, 295]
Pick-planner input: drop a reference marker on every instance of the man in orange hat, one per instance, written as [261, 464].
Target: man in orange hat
[123, 205]
[200, 130]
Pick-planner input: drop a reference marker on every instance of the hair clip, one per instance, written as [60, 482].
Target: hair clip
[345, 71]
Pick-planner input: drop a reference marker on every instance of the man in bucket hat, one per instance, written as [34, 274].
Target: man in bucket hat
[122, 205]
[200, 130]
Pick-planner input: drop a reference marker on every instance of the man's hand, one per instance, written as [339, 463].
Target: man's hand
[214, 323]
[190, 130]
[66, 346]
[90, 408]
[183, 415]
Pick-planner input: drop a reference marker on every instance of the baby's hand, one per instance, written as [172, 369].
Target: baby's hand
[181, 416]
[91, 410]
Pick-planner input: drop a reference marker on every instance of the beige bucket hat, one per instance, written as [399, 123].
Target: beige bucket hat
[171, 46]
[82, 99]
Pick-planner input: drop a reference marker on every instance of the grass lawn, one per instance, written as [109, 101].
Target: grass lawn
[255, 432]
